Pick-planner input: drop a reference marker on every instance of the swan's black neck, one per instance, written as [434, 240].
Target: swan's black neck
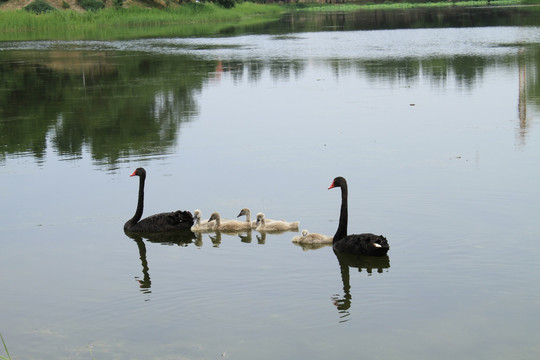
[140, 203]
[343, 215]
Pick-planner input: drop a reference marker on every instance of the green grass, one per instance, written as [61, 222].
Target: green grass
[20, 20]
[401, 5]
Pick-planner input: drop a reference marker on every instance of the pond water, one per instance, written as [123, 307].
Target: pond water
[435, 129]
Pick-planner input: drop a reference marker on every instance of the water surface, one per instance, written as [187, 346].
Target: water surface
[435, 130]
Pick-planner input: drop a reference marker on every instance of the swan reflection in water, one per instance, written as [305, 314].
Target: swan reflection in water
[181, 238]
[347, 261]
[217, 236]
[307, 247]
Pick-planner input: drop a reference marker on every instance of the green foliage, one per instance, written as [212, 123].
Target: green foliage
[5, 348]
[65, 4]
[39, 6]
[227, 4]
[118, 3]
[91, 5]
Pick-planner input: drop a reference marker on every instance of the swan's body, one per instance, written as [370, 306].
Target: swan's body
[361, 244]
[162, 222]
[229, 225]
[307, 238]
[201, 225]
[275, 225]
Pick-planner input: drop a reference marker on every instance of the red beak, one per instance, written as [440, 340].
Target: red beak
[133, 173]
[331, 186]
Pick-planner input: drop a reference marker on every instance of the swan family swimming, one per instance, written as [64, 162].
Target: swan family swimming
[360, 244]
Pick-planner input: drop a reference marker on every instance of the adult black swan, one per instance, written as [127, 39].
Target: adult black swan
[361, 244]
[162, 222]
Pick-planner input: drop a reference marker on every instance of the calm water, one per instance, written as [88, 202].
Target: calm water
[436, 130]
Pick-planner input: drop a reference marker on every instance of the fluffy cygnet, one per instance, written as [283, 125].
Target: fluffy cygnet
[201, 225]
[229, 225]
[247, 213]
[276, 225]
[307, 238]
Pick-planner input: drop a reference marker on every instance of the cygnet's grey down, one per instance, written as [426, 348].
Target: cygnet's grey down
[229, 225]
[201, 225]
[276, 225]
[307, 238]
[247, 213]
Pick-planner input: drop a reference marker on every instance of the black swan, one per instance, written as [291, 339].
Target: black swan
[361, 244]
[162, 222]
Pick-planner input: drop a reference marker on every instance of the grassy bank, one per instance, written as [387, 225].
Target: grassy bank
[193, 19]
[130, 19]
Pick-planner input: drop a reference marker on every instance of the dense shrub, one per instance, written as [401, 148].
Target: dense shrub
[65, 4]
[39, 6]
[227, 4]
[91, 5]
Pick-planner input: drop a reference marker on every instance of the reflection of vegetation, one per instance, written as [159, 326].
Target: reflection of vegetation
[120, 104]
[114, 105]
[399, 5]
[416, 18]
[530, 61]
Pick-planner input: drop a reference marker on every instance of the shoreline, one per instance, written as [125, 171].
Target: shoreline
[194, 19]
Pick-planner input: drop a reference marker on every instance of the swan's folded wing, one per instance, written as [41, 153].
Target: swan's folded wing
[179, 217]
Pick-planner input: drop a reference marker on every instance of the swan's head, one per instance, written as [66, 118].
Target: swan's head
[197, 214]
[214, 216]
[305, 232]
[260, 218]
[338, 182]
[139, 172]
[244, 211]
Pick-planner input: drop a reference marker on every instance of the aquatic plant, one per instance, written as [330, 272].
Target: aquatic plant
[6, 349]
